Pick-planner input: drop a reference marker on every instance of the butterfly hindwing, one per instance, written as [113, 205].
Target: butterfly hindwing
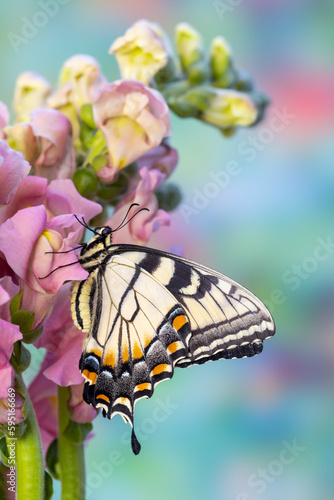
[147, 312]
[138, 334]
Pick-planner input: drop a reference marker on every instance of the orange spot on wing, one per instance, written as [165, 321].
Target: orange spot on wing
[179, 321]
[109, 359]
[137, 352]
[173, 347]
[125, 356]
[159, 369]
[92, 376]
[143, 387]
[104, 397]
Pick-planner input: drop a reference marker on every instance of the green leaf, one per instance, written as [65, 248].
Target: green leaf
[48, 486]
[52, 459]
[77, 433]
[15, 303]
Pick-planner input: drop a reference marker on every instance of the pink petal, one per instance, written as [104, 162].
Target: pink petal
[30, 193]
[18, 236]
[63, 198]
[13, 168]
[65, 370]
[53, 129]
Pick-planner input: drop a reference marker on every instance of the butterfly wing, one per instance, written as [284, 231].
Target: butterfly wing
[147, 312]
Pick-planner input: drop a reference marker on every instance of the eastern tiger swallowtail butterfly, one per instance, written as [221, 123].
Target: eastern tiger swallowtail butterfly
[147, 312]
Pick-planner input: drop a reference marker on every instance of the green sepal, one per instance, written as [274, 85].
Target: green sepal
[199, 72]
[87, 115]
[52, 459]
[97, 147]
[244, 82]
[86, 137]
[118, 187]
[99, 162]
[183, 108]
[48, 486]
[24, 319]
[31, 337]
[200, 97]
[228, 132]
[166, 74]
[85, 181]
[15, 303]
[175, 89]
[21, 357]
[169, 196]
[77, 433]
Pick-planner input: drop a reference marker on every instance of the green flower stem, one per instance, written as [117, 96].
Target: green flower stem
[28, 451]
[71, 455]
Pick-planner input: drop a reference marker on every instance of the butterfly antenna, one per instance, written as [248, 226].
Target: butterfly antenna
[68, 251]
[59, 267]
[84, 224]
[127, 213]
[134, 215]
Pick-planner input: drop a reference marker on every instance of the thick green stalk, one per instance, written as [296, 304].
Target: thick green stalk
[28, 454]
[71, 455]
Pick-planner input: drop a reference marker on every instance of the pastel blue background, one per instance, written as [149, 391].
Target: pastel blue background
[209, 431]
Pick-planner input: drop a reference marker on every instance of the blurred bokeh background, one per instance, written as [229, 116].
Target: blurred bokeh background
[218, 431]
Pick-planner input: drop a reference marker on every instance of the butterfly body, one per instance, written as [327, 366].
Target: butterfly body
[147, 312]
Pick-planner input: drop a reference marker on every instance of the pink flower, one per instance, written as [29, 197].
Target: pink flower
[54, 134]
[43, 393]
[139, 230]
[4, 119]
[25, 240]
[133, 119]
[27, 236]
[9, 335]
[13, 168]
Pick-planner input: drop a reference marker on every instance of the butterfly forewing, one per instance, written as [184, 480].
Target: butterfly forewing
[148, 312]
